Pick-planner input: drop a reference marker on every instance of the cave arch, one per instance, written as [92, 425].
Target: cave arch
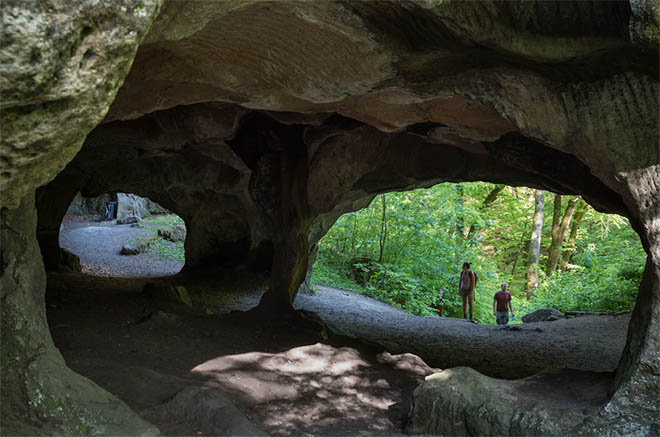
[428, 240]
[572, 78]
[280, 180]
[117, 235]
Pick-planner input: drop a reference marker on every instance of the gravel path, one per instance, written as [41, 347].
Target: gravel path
[585, 343]
[98, 244]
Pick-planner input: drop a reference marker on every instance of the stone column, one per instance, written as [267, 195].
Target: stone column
[286, 172]
[634, 407]
[39, 394]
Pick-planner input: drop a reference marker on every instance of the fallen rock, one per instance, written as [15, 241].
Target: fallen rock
[69, 261]
[209, 409]
[183, 295]
[174, 233]
[136, 246]
[544, 315]
[127, 220]
[462, 401]
[129, 205]
[176, 293]
[178, 404]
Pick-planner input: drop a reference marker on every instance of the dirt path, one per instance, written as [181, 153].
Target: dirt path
[235, 374]
[587, 343]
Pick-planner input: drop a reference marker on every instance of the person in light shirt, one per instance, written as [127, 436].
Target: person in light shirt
[466, 285]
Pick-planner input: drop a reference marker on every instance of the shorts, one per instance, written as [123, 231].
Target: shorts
[465, 292]
[502, 317]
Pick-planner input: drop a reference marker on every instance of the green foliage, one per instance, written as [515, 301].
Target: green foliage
[423, 240]
[161, 220]
[160, 247]
[606, 273]
[165, 249]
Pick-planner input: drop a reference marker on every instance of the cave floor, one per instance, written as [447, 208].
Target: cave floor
[284, 378]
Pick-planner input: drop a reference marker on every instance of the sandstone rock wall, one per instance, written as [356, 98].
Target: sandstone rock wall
[40, 394]
[62, 64]
[259, 123]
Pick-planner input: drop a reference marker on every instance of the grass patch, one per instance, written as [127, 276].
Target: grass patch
[160, 247]
[161, 220]
[165, 249]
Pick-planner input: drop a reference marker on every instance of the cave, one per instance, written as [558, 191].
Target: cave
[261, 123]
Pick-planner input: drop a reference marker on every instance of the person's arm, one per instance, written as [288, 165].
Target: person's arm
[511, 308]
[494, 306]
[459, 283]
[473, 283]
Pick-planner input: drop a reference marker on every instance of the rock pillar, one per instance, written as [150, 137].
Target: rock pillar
[289, 212]
[39, 394]
[634, 407]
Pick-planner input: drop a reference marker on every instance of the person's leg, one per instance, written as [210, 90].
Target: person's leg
[464, 303]
[471, 303]
[471, 297]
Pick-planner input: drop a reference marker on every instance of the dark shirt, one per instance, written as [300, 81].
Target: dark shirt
[502, 298]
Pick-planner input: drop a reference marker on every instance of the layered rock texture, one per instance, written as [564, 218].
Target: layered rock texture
[260, 123]
[61, 64]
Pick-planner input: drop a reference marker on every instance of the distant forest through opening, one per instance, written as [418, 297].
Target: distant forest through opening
[553, 251]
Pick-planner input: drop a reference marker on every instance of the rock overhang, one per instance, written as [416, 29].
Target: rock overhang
[280, 116]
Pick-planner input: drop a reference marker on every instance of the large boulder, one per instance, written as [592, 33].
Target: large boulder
[132, 205]
[63, 64]
[461, 401]
[137, 246]
[90, 206]
[174, 233]
[543, 315]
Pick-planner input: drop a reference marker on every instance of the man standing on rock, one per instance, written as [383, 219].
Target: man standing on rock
[501, 300]
[466, 285]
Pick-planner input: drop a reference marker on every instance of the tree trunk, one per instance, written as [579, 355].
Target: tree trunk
[383, 230]
[558, 232]
[580, 210]
[535, 243]
[460, 220]
[523, 247]
[490, 198]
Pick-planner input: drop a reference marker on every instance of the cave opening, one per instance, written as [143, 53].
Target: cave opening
[244, 212]
[120, 235]
[150, 97]
[406, 249]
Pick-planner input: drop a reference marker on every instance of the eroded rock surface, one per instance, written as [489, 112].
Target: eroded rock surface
[40, 394]
[260, 123]
[61, 67]
[461, 401]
